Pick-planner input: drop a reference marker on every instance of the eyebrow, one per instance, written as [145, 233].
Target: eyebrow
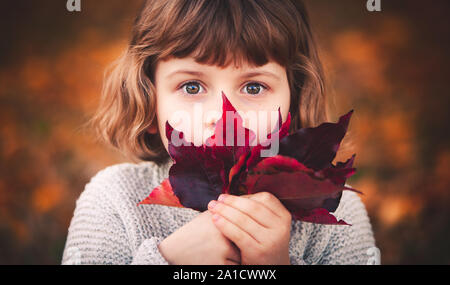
[245, 75]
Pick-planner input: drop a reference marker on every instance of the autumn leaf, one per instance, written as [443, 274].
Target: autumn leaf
[316, 147]
[201, 173]
[301, 175]
[164, 195]
[304, 190]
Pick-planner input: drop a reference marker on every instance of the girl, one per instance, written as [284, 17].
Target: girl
[182, 53]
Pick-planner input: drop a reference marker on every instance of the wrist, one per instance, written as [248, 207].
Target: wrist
[165, 250]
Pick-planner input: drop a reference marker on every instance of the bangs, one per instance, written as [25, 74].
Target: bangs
[222, 32]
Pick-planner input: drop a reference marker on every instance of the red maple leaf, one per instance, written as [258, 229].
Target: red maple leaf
[301, 175]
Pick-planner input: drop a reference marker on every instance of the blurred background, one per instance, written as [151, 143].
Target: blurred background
[391, 67]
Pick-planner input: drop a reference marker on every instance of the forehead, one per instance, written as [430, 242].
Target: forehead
[172, 64]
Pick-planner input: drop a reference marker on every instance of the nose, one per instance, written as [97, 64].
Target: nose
[214, 111]
[212, 116]
[211, 122]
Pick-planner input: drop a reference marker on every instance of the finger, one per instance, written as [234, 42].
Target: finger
[240, 219]
[266, 199]
[241, 238]
[271, 202]
[254, 209]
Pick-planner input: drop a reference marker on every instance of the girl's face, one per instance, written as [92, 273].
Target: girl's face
[188, 95]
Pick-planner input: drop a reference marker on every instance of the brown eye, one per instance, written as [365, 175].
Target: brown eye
[191, 88]
[254, 88]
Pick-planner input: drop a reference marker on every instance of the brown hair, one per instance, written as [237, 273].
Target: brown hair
[255, 30]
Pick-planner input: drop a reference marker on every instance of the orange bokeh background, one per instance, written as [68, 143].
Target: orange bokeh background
[391, 67]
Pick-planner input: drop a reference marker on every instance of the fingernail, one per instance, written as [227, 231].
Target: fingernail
[212, 204]
[221, 198]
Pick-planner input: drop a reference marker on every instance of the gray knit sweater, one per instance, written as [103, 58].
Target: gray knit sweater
[109, 228]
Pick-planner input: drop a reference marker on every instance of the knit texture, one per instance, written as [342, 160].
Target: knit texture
[109, 228]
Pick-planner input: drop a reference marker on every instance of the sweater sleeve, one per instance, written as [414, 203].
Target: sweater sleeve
[353, 244]
[148, 253]
[97, 234]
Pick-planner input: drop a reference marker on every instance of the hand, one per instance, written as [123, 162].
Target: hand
[258, 224]
[199, 242]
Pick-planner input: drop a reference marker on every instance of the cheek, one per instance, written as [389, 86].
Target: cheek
[189, 118]
[285, 101]
[166, 110]
[161, 116]
[262, 117]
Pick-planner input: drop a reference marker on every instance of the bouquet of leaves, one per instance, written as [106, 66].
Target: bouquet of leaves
[301, 175]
